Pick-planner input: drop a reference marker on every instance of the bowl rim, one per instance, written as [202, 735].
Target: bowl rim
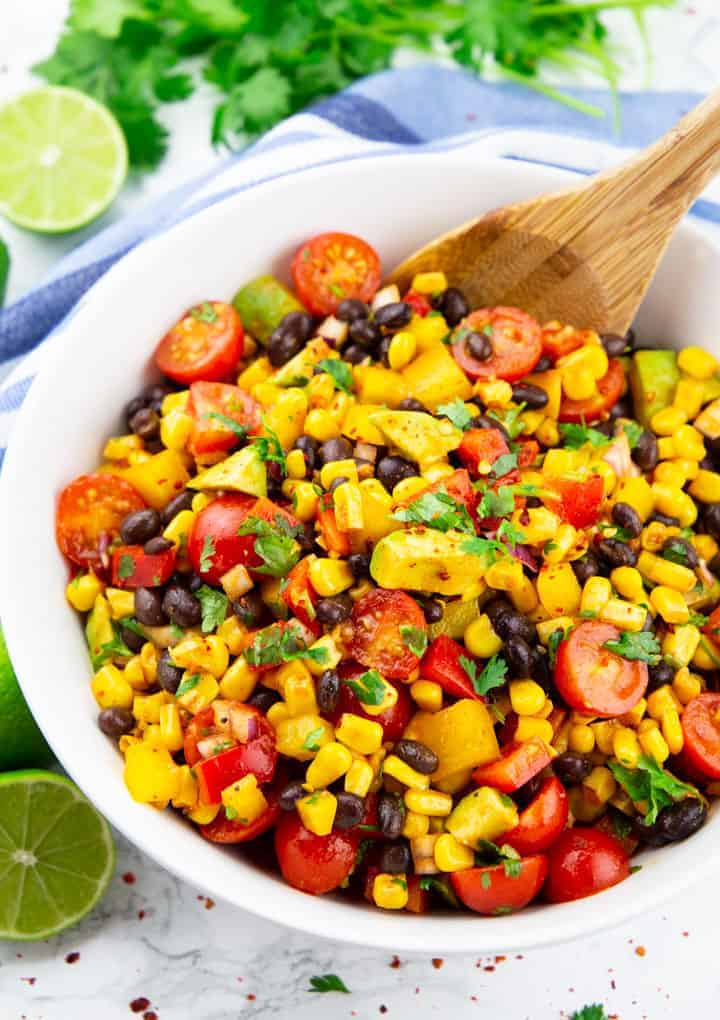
[274, 899]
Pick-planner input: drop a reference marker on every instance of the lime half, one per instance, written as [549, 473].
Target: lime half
[56, 855]
[64, 159]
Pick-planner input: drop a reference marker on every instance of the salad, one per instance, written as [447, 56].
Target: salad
[423, 598]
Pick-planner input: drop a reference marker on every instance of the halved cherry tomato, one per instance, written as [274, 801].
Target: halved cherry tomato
[300, 596]
[89, 514]
[542, 821]
[225, 830]
[418, 302]
[441, 664]
[335, 540]
[393, 720]
[594, 680]
[518, 763]
[579, 501]
[701, 729]
[331, 267]
[212, 407]
[609, 391]
[206, 343]
[583, 862]
[481, 446]
[628, 842]
[559, 340]
[494, 892]
[132, 567]
[314, 864]
[515, 338]
[376, 640]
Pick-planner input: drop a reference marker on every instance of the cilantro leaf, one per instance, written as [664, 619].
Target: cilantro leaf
[505, 464]
[497, 504]
[438, 510]
[414, 638]
[513, 535]
[676, 551]
[278, 643]
[214, 605]
[642, 646]
[310, 743]
[126, 566]
[493, 675]
[369, 688]
[339, 371]
[115, 648]
[430, 883]
[576, 436]
[554, 641]
[328, 983]
[510, 420]
[131, 624]
[697, 619]
[651, 784]
[188, 684]
[595, 1012]
[487, 549]
[457, 412]
[206, 554]
[228, 423]
[633, 431]
[269, 448]
[204, 312]
[274, 544]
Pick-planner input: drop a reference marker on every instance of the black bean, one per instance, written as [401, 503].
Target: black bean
[351, 309]
[479, 346]
[532, 396]
[115, 722]
[335, 449]
[132, 639]
[614, 344]
[390, 814]
[675, 822]
[354, 354]
[382, 352]
[627, 517]
[630, 338]
[299, 324]
[306, 538]
[183, 501]
[309, 447]
[544, 364]
[328, 691]
[364, 333]
[606, 428]
[532, 502]
[337, 482]
[395, 859]
[417, 755]
[145, 423]
[711, 520]
[433, 611]
[497, 607]
[679, 549]
[249, 608]
[350, 810]
[334, 609]
[283, 346]
[139, 526]
[714, 564]
[669, 522]
[571, 767]
[617, 553]
[131, 409]
[453, 305]
[411, 404]
[169, 676]
[623, 408]
[148, 607]
[157, 545]
[391, 470]
[394, 315]
[645, 453]
[519, 657]
[359, 563]
[182, 607]
[194, 583]
[484, 421]
[541, 672]
[289, 795]
[514, 624]
[263, 698]
[659, 675]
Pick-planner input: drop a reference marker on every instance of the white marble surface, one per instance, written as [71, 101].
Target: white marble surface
[159, 939]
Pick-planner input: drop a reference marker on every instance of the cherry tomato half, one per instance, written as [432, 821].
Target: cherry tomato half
[517, 765]
[206, 343]
[580, 501]
[314, 864]
[492, 891]
[376, 640]
[542, 821]
[300, 596]
[213, 408]
[225, 830]
[479, 446]
[594, 680]
[132, 567]
[393, 720]
[559, 340]
[515, 338]
[609, 391]
[331, 267]
[583, 862]
[89, 514]
[701, 730]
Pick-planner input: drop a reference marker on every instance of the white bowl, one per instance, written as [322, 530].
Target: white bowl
[98, 363]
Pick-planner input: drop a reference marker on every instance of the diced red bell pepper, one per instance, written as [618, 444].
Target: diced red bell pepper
[441, 664]
[529, 449]
[300, 595]
[580, 501]
[258, 756]
[418, 898]
[418, 302]
[481, 446]
[132, 567]
[335, 540]
[516, 766]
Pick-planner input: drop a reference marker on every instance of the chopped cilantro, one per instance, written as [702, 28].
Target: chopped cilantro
[642, 646]
[493, 675]
[633, 431]
[513, 535]
[131, 624]
[214, 605]
[277, 643]
[228, 423]
[487, 549]
[697, 619]
[328, 983]
[269, 448]
[310, 743]
[116, 647]
[188, 684]
[429, 883]
[438, 510]
[502, 910]
[485, 880]
[554, 641]
[206, 554]
[549, 547]
[414, 638]
[457, 412]
[369, 688]
[504, 464]
[510, 420]
[275, 544]
[635, 868]
[576, 436]
[497, 504]
[339, 371]
[676, 551]
[594, 1012]
[204, 312]
[126, 566]
[230, 813]
[650, 784]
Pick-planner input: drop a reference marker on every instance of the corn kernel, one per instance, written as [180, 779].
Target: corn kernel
[435, 472]
[581, 739]
[604, 735]
[433, 803]
[564, 544]
[600, 783]
[667, 421]
[295, 463]
[697, 362]
[626, 747]
[361, 735]
[111, 689]
[175, 402]
[199, 501]
[119, 448]
[546, 628]
[590, 358]
[480, 638]
[305, 498]
[201, 653]
[400, 770]
[203, 814]
[528, 728]
[523, 595]
[455, 781]
[135, 674]
[171, 733]
[402, 350]
[671, 500]
[338, 469]
[377, 385]
[665, 572]
[332, 761]
[706, 487]
[637, 493]
[187, 794]
[329, 576]
[429, 283]
[496, 393]
[526, 697]
[234, 634]
[483, 814]
[654, 744]
[428, 331]
[670, 604]
[196, 691]
[151, 776]
[298, 689]
[84, 589]
[666, 447]
[175, 430]
[539, 525]
[663, 699]
[628, 582]
[579, 384]
[646, 725]
[634, 716]
[689, 396]
[672, 731]
[654, 536]
[668, 473]
[558, 589]
[146, 708]
[317, 811]
[320, 425]
[390, 892]
[427, 695]
[547, 432]
[691, 468]
[450, 855]
[689, 443]
[686, 685]
[596, 593]
[584, 806]
[415, 825]
[301, 736]
[179, 528]
[359, 777]
[681, 644]
[122, 603]
[705, 546]
[277, 714]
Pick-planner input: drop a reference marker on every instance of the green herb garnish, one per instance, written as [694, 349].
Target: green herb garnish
[457, 412]
[204, 312]
[493, 675]
[641, 647]
[339, 371]
[278, 643]
[510, 419]
[126, 566]
[497, 504]
[188, 684]
[206, 554]
[369, 688]
[275, 544]
[576, 436]
[437, 510]
[595, 1012]
[414, 638]
[650, 784]
[310, 743]
[228, 423]
[633, 431]
[328, 983]
[214, 605]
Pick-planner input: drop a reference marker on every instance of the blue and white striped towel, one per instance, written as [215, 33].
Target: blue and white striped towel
[421, 108]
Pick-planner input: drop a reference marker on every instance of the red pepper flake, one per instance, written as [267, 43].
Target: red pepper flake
[150, 1015]
[500, 959]
[140, 1004]
[141, 915]
[685, 934]
[437, 962]
[489, 969]
[383, 1009]
[208, 903]
[128, 878]
[640, 951]
[29, 981]
[612, 984]
[72, 957]
[250, 997]
[395, 962]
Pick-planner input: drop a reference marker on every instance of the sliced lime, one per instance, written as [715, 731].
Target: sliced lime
[56, 855]
[64, 159]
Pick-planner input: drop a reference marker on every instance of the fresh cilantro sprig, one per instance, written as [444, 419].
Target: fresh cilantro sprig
[506, 463]
[328, 983]
[369, 688]
[207, 552]
[270, 449]
[126, 567]
[275, 544]
[641, 647]
[498, 503]
[437, 510]
[493, 675]
[554, 642]
[204, 312]
[276, 644]
[457, 412]
[115, 648]
[575, 436]
[228, 423]
[594, 1012]
[441, 886]
[414, 638]
[652, 785]
[339, 371]
[633, 431]
[510, 419]
[188, 684]
[214, 605]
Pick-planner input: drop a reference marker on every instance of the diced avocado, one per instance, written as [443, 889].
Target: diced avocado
[456, 619]
[653, 378]
[422, 559]
[262, 304]
[711, 389]
[98, 630]
[417, 435]
[708, 421]
[298, 370]
[244, 471]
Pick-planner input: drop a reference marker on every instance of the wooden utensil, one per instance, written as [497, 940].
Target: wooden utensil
[585, 255]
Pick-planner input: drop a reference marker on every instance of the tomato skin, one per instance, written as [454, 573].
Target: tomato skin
[542, 821]
[529, 449]
[503, 891]
[336, 541]
[258, 756]
[580, 501]
[702, 734]
[418, 898]
[203, 725]
[610, 389]
[592, 679]
[148, 570]
[441, 664]
[583, 862]
[418, 302]
[515, 338]
[559, 340]
[376, 640]
[300, 596]
[331, 267]
[314, 864]
[629, 843]
[224, 830]
[517, 764]
[89, 513]
[393, 720]
[480, 445]
[192, 349]
[206, 400]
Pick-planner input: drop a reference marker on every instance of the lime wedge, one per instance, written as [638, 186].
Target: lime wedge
[64, 159]
[56, 855]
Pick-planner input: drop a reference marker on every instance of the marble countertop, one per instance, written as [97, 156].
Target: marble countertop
[159, 950]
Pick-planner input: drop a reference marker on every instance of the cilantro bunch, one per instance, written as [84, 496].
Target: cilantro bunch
[269, 59]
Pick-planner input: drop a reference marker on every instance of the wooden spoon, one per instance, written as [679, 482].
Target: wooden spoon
[586, 255]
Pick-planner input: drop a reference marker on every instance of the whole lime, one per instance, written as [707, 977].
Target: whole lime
[22, 745]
